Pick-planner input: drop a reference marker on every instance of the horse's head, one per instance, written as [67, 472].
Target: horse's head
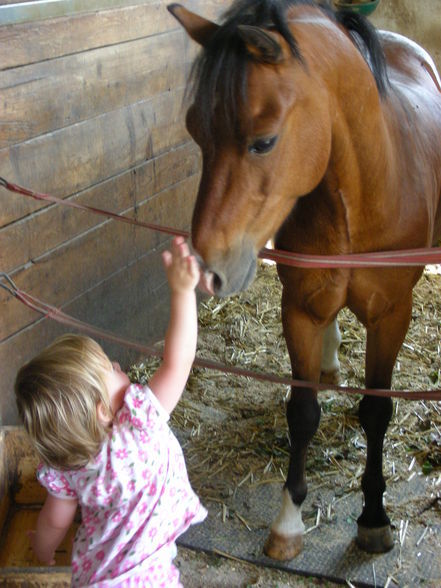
[261, 117]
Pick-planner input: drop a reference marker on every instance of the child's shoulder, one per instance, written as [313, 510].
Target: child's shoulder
[57, 482]
[140, 402]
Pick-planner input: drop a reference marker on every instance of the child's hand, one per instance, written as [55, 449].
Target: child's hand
[182, 268]
[45, 558]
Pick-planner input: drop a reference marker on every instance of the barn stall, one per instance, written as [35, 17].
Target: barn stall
[92, 112]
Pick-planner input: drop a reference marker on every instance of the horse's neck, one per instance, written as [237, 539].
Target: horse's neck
[360, 171]
[360, 138]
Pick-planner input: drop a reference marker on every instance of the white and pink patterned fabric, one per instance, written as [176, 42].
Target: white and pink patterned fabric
[135, 500]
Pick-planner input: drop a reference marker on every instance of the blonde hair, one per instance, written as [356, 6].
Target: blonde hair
[57, 396]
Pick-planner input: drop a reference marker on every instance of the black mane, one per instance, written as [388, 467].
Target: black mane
[219, 74]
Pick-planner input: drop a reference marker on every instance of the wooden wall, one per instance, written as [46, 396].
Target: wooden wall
[91, 111]
[420, 21]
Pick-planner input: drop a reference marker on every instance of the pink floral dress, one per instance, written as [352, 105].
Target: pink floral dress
[135, 500]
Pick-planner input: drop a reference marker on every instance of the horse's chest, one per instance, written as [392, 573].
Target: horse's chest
[373, 294]
[318, 294]
[369, 294]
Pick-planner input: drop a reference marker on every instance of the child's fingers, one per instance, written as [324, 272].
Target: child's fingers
[167, 258]
[177, 243]
[178, 240]
[193, 266]
[182, 249]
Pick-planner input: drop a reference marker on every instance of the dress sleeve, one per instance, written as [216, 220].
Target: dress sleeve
[141, 408]
[56, 482]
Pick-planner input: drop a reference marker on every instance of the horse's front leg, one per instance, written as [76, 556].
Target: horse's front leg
[383, 343]
[304, 341]
[330, 368]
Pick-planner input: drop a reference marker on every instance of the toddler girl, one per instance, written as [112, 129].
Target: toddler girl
[105, 444]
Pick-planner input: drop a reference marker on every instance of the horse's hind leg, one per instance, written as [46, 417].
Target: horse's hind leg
[383, 343]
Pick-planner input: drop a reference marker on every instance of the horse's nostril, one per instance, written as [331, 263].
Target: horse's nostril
[217, 282]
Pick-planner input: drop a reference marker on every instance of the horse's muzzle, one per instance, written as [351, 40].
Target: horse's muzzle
[228, 273]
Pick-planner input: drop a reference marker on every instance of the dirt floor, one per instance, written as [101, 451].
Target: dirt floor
[199, 570]
[234, 433]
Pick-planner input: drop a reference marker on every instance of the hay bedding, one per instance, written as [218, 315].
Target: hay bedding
[234, 432]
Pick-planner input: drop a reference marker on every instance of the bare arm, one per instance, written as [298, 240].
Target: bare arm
[168, 382]
[53, 522]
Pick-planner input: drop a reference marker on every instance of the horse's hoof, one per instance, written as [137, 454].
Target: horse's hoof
[376, 540]
[283, 548]
[330, 377]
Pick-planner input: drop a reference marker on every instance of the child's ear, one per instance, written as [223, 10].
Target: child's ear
[103, 414]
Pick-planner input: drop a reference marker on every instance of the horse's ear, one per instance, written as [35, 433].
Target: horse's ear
[261, 44]
[199, 29]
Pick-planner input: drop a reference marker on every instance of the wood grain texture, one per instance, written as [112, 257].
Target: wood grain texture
[92, 110]
[16, 551]
[97, 254]
[26, 43]
[53, 225]
[73, 159]
[50, 95]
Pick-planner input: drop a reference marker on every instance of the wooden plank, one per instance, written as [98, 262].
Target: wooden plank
[63, 274]
[38, 10]
[50, 95]
[7, 2]
[27, 43]
[22, 462]
[46, 578]
[28, 491]
[5, 501]
[16, 550]
[73, 159]
[45, 230]
[132, 303]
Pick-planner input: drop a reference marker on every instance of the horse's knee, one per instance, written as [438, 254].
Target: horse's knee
[374, 414]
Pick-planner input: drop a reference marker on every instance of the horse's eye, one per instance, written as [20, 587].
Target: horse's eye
[261, 146]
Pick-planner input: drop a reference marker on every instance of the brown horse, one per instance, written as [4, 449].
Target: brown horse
[318, 129]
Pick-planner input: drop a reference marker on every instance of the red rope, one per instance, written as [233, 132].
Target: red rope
[405, 257]
[59, 316]
[414, 257]
[125, 219]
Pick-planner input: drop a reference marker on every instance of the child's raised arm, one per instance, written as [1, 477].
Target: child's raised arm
[168, 382]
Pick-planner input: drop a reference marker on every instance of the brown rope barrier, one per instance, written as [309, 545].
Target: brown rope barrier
[409, 257]
[406, 257]
[59, 316]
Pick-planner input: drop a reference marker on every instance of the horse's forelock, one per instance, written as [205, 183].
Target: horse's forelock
[219, 82]
[219, 74]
